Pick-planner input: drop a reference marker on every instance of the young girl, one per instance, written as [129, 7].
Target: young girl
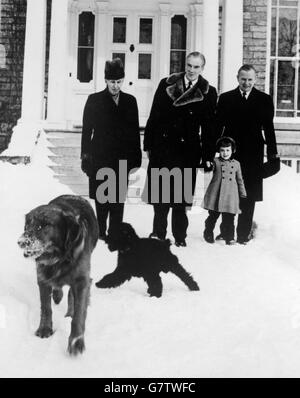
[224, 192]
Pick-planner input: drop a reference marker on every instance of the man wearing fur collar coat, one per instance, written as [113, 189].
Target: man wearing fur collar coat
[178, 136]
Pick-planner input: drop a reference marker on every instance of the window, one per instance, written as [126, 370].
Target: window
[86, 47]
[178, 43]
[285, 57]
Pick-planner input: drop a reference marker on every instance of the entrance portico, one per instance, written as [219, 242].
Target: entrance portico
[152, 39]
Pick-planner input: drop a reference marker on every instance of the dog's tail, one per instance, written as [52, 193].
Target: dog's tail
[183, 275]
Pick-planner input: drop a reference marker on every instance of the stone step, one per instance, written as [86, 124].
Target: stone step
[65, 142]
[66, 151]
[66, 161]
[72, 169]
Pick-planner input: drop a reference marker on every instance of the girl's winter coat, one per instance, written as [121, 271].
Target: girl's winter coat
[225, 188]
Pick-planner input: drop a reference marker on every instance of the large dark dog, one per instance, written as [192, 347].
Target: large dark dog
[60, 237]
[145, 258]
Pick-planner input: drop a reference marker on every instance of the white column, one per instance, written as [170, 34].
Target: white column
[196, 39]
[232, 43]
[210, 40]
[58, 61]
[165, 40]
[34, 62]
[101, 43]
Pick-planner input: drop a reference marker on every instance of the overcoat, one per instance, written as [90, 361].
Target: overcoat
[226, 187]
[110, 133]
[250, 123]
[179, 131]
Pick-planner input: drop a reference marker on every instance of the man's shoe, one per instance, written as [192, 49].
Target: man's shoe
[208, 236]
[230, 242]
[242, 241]
[103, 237]
[154, 235]
[219, 237]
[180, 243]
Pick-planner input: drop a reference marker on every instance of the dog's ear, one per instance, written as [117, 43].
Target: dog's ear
[73, 231]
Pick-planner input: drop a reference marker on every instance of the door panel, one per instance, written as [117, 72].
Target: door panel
[133, 41]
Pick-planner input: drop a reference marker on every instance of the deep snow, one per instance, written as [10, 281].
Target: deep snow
[245, 321]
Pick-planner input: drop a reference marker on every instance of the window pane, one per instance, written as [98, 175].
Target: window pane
[121, 56]
[85, 64]
[272, 79]
[287, 32]
[119, 34]
[290, 3]
[146, 30]
[177, 61]
[144, 66]
[273, 31]
[178, 32]
[286, 85]
[86, 29]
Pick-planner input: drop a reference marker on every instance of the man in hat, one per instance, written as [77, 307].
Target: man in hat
[243, 113]
[110, 134]
[184, 104]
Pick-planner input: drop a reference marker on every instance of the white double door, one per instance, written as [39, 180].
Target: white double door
[133, 40]
[129, 36]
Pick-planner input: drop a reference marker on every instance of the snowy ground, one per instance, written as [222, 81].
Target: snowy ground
[245, 321]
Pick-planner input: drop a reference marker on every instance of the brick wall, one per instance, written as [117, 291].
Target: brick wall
[12, 40]
[12, 34]
[255, 37]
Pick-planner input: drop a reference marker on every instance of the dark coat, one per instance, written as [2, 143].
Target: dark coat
[110, 133]
[225, 188]
[244, 121]
[172, 133]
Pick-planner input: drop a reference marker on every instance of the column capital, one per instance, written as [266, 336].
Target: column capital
[102, 6]
[196, 10]
[165, 9]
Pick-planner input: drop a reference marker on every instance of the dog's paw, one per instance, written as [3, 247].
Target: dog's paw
[57, 295]
[194, 286]
[44, 332]
[76, 345]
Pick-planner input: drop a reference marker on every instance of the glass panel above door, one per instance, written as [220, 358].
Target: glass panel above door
[119, 30]
[146, 31]
[144, 66]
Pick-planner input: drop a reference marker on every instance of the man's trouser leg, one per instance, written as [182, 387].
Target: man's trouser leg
[180, 222]
[160, 220]
[102, 210]
[245, 219]
[210, 222]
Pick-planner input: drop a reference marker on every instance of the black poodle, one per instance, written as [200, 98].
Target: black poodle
[144, 258]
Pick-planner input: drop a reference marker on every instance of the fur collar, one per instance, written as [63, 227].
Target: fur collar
[175, 90]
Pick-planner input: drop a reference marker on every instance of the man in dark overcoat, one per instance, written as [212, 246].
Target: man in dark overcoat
[246, 114]
[110, 133]
[178, 135]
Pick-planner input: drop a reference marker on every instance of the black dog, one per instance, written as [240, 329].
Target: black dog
[144, 258]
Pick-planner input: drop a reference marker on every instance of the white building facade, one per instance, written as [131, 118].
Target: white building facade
[151, 37]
